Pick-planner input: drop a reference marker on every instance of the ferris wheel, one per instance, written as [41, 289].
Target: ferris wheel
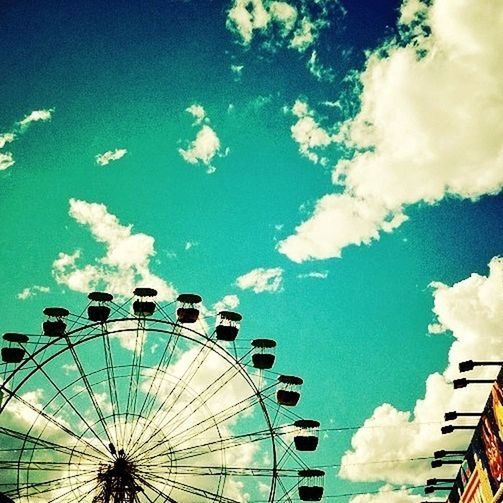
[143, 402]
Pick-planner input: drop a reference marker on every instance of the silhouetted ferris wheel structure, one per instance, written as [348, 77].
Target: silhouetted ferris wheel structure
[142, 401]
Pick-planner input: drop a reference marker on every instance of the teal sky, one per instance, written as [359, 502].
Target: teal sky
[113, 75]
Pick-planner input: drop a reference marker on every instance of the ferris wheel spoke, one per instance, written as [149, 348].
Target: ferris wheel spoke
[134, 376]
[188, 373]
[38, 465]
[156, 490]
[196, 362]
[206, 394]
[72, 490]
[213, 446]
[41, 487]
[164, 361]
[289, 451]
[286, 492]
[112, 384]
[41, 444]
[191, 489]
[224, 415]
[61, 392]
[206, 424]
[90, 392]
[280, 410]
[54, 422]
[165, 315]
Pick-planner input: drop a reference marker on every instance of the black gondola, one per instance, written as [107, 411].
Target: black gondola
[306, 439]
[311, 485]
[263, 357]
[99, 312]
[288, 393]
[141, 307]
[228, 325]
[188, 312]
[55, 327]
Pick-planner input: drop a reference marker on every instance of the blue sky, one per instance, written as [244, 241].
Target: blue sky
[333, 168]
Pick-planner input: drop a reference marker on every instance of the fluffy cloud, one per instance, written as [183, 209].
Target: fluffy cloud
[110, 155]
[36, 116]
[32, 291]
[228, 302]
[6, 158]
[6, 138]
[356, 220]
[197, 111]
[295, 27]
[429, 125]
[304, 36]
[206, 145]
[309, 135]
[125, 265]
[388, 494]
[261, 280]
[471, 311]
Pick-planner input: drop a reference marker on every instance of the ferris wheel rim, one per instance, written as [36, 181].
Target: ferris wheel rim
[187, 333]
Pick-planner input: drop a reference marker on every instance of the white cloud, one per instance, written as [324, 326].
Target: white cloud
[357, 221]
[125, 265]
[237, 69]
[246, 16]
[261, 280]
[228, 302]
[471, 309]
[6, 160]
[206, 145]
[388, 494]
[110, 155]
[32, 291]
[309, 135]
[197, 111]
[284, 14]
[6, 138]
[304, 36]
[297, 27]
[190, 244]
[429, 124]
[314, 274]
[319, 71]
[203, 149]
[36, 116]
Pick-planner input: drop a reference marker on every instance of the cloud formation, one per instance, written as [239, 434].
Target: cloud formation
[36, 116]
[125, 265]
[388, 494]
[428, 127]
[279, 23]
[206, 145]
[198, 112]
[471, 311]
[20, 127]
[110, 155]
[308, 133]
[28, 292]
[318, 70]
[262, 280]
[314, 274]
[228, 302]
